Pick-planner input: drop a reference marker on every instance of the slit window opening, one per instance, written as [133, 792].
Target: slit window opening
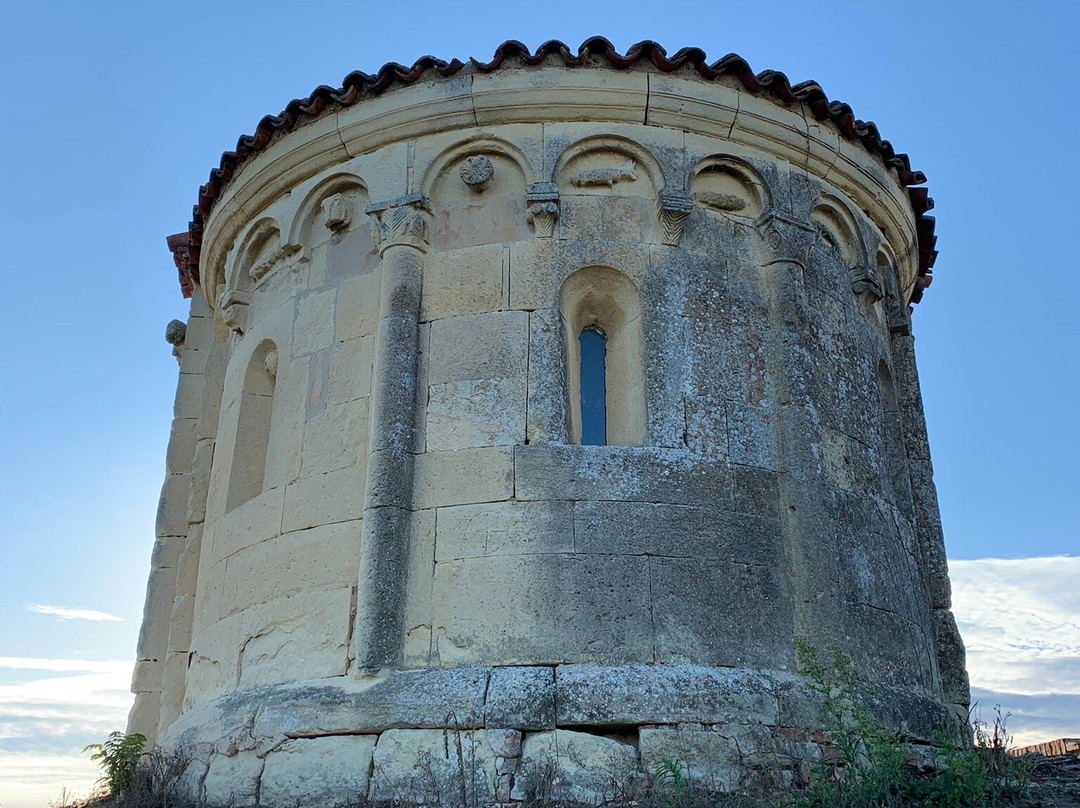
[593, 344]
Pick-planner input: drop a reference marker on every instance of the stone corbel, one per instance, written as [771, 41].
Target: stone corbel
[337, 212]
[865, 285]
[542, 208]
[233, 305]
[400, 222]
[673, 208]
[786, 239]
[175, 334]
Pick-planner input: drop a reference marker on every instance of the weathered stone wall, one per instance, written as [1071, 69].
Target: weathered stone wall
[378, 531]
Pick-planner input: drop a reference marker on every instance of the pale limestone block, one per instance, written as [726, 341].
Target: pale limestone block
[405, 113]
[172, 687]
[211, 584]
[299, 636]
[172, 506]
[256, 520]
[506, 528]
[417, 610]
[199, 487]
[464, 476]
[154, 634]
[706, 758]
[479, 346]
[564, 94]
[181, 449]
[587, 768]
[335, 438]
[336, 496]
[357, 310]
[187, 570]
[183, 613]
[464, 281]
[712, 106]
[369, 704]
[146, 675]
[423, 766]
[233, 780]
[167, 552]
[290, 410]
[493, 610]
[144, 714]
[350, 370]
[212, 670]
[314, 327]
[188, 400]
[305, 560]
[318, 772]
[475, 412]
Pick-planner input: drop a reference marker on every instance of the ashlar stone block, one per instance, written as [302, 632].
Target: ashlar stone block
[317, 772]
[504, 528]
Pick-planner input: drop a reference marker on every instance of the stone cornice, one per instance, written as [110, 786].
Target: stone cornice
[361, 116]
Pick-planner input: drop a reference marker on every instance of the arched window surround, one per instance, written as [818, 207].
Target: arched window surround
[248, 469]
[605, 299]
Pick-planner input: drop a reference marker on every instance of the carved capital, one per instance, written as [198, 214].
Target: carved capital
[233, 305]
[401, 222]
[673, 208]
[542, 208]
[786, 239]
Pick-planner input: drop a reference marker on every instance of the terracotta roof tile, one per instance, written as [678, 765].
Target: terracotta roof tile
[359, 85]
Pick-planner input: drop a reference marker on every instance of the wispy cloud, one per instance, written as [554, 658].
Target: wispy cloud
[45, 721]
[1020, 620]
[65, 613]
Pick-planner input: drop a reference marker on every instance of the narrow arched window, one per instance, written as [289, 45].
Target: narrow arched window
[253, 426]
[593, 344]
[602, 320]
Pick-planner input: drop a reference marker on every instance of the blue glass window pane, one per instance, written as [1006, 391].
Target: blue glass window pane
[593, 388]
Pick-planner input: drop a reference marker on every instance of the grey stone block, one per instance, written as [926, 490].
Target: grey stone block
[522, 698]
[662, 694]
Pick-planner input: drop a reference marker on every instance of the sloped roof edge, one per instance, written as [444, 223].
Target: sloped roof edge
[359, 85]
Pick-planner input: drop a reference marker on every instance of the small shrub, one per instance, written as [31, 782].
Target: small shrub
[119, 759]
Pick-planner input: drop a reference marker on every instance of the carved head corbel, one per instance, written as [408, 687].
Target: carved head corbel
[233, 305]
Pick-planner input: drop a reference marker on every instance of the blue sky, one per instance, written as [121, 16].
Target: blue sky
[117, 111]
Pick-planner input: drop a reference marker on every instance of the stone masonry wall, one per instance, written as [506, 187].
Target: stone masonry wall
[379, 541]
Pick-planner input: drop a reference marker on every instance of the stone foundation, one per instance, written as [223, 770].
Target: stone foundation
[566, 733]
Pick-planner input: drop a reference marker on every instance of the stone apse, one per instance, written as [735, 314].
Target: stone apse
[529, 412]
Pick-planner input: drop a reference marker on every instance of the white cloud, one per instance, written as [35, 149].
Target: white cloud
[46, 720]
[65, 613]
[1020, 620]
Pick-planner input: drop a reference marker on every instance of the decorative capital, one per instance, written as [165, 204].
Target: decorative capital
[400, 222]
[673, 208]
[233, 305]
[542, 207]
